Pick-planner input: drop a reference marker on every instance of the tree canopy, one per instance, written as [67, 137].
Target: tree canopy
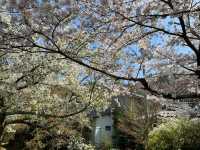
[137, 41]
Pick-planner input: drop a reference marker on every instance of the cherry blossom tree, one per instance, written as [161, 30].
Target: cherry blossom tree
[60, 57]
[135, 41]
[149, 40]
[39, 87]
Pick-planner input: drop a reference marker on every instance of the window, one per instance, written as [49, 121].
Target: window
[108, 128]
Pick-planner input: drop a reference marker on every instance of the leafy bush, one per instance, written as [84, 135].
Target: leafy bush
[77, 143]
[177, 134]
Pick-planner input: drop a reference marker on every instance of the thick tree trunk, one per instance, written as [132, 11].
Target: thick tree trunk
[2, 118]
[2, 115]
[198, 72]
[198, 64]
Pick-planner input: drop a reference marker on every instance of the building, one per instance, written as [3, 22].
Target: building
[102, 128]
[103, 123]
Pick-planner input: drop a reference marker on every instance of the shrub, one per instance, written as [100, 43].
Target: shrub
[177, 134]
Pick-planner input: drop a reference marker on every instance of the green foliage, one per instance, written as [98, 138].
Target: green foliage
[174, 135]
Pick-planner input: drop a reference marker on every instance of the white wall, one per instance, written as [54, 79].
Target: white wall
[103, 136]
